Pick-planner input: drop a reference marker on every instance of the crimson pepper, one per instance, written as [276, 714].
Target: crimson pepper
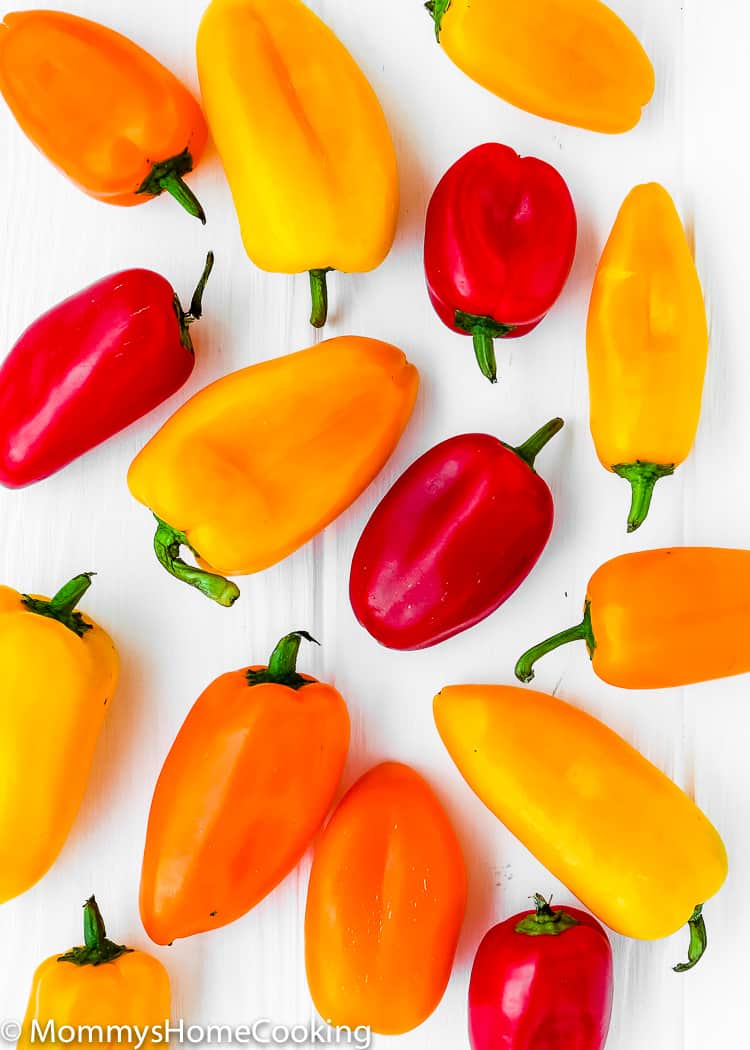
[542, 980]
[91, 366]
[456, 535]
[500, 239]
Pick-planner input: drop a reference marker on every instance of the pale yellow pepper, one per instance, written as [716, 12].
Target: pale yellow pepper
[605, 821]
[58, 672]
[647, 344]
[303, 139]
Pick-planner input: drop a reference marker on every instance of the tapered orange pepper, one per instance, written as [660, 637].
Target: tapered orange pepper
[605, 821]
[303, 139]
[661, 618]
[385, 904]
[647, 343]
[260, 461]
[573, 61]
[245, 787]
[113, 995]
[103, 110]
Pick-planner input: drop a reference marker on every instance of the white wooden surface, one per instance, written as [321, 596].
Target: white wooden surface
[54, 241]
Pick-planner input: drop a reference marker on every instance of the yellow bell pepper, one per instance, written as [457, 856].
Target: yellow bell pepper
[605, 821]
[262, 460]
[303, 139]
[103, 985]
[647, 344]
[573, 61]
[58, 672]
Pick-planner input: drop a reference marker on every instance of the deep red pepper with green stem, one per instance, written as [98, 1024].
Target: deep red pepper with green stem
[500, 238]
[90, 367]
[542, 980]
[452, 540]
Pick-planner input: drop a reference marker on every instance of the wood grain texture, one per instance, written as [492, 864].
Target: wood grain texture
[54, 241]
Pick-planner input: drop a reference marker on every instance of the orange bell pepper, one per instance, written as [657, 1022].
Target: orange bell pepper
[647, 344]
[105, 112]
[605, 821]
[385, 904]
[573, 61]
[661, 618]
[262, 460]
[101, 985]
[245, 787]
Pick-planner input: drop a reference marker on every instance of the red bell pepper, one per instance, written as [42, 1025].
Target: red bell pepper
[542, 980]
[452, 540]
[91, 366]
[500, 239]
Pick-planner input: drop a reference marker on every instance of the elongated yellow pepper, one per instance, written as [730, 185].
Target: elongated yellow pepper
[303, 139]
[604, 820]
[573, 61]
[647, 344]
[58, 672]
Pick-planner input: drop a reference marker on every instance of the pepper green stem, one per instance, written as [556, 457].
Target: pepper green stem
[530, 449]
[167, 175]
[319, 293]
[62, 606]
[483, 330]
[545, 922]
[642, 478]
[167, 544]
[195, 312]
[282, 667]
[698, 941]
[97, 947]
[437, 9]
[582, 631]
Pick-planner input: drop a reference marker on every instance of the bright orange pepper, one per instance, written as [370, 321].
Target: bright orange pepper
[611, 826]
[103, 110]
[573, 61]
[245, 787]
[257, 463]
[661, 618]
[103, 985]
[385, 904]
[647, 344]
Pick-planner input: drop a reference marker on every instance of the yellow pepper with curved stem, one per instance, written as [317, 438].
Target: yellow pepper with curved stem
[99, 984]
[647, 344]
[259, 462]
[303, 139]
[573, 61]
[58, 672]
[611, 826]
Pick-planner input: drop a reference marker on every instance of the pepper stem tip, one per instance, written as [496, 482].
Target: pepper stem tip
[167, 545]
[642, 477]
[698, 941]
[582, 631]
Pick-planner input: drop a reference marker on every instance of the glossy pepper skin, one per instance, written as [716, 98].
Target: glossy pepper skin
[103, 110]
[90, 367]
[58, 672]
[260, 461]
[245, 787]
[611, 826]
[452, 540]
[315, 182]
[385, 904]
[647, 344]
[100, 983]
[662, 618]
[500, 239]
[573, 61]
[542, 980]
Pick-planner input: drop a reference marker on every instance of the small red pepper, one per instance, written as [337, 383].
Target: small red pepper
[542, 980]
[90, 367]
[500, 239]
[456, 535]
